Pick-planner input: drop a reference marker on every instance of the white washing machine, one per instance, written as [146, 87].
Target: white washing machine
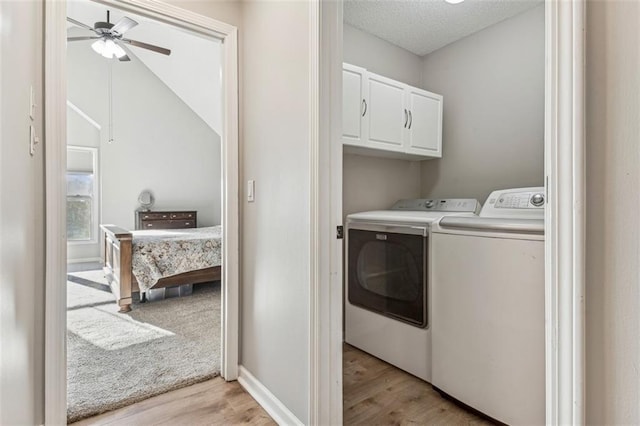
[488, 307]
[386, 280]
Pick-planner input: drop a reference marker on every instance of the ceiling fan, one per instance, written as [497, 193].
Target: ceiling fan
[109, 36]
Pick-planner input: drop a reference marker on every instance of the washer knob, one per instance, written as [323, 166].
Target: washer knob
[428, 204]
[537, 199]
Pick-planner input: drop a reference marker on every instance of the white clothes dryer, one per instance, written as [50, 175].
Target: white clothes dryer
[488, 307]
[386, 280]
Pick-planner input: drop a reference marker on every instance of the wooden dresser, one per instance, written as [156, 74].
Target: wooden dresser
[166, 220]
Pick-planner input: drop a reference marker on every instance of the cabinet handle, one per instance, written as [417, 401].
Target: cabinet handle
[410, 119]
[364, 106]
[406, 118]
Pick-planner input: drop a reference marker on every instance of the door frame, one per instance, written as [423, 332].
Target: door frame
[564, 216]
[55, 162]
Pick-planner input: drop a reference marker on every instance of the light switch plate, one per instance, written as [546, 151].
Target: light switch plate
[251, 191]
[32, 103]
[33, 140]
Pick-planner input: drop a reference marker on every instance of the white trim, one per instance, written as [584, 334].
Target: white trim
[55, 113]
[314, 219]
[565, 214]
[272, 405]
[55, 134]
[325, 395]
[565, 233]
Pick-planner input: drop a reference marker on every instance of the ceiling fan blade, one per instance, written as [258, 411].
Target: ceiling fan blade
[79, 24]
[123, 25]
[124, 58]
[146, 46]
[82, 38]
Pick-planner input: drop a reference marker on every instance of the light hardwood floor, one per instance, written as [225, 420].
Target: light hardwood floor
[377, 393]
[214, 402]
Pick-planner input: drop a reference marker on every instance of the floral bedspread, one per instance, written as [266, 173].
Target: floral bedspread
[161, 253]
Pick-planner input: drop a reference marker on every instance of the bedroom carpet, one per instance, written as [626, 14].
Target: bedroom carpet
[114, 359]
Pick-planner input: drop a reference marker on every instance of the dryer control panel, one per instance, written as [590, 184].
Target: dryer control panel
[467, 205]
[523, 203]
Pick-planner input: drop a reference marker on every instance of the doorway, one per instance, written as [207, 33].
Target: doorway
[183, 21]
[564, 215]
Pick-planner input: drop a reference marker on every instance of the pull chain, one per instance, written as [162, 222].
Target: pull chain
[110, 101]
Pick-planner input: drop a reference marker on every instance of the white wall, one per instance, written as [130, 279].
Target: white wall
[275, 229]
[371, 183]
[160, 143]
[493, 88]
[200, 55]
[21, 217]
[613, 224]
[381, 57]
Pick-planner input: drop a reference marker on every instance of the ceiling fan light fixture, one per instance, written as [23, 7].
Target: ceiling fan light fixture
[98, 46]
[110, 48]
[454, 1]
[119, 51]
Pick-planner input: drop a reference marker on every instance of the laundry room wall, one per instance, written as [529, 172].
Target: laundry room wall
[371, 183]
[493, 87]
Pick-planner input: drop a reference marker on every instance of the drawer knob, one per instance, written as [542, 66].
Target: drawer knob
[149, 225]
[164, 216]
[146, 217]
[187, 223]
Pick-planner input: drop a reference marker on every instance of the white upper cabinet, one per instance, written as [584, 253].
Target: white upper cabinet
[425, 123]
[384, 117]
[354, 105]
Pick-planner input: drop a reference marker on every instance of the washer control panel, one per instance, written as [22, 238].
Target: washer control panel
[468, 205]
[525, 203]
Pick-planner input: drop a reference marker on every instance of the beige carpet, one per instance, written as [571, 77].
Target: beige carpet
[117, 359]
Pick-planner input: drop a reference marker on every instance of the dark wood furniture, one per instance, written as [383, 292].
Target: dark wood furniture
[117, 268]
[166, 219]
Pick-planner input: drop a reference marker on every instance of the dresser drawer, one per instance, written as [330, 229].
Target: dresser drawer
[183, 215]
[154, 216]
[167, 219]
[168, 224]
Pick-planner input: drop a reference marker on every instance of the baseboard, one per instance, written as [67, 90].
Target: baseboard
[272, 405]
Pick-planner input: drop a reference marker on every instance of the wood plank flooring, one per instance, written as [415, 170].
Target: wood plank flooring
[377, 393]
[214, 402]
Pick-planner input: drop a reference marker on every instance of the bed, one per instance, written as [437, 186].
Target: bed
[137, 261]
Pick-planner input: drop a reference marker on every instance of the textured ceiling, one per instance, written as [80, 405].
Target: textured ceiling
[422, 26]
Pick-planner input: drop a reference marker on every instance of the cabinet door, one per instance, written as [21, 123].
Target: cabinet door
[424, 130]
[387, 117]
[353, 105]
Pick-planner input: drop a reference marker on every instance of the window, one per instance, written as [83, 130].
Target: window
[79, 206]
[81, 195]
